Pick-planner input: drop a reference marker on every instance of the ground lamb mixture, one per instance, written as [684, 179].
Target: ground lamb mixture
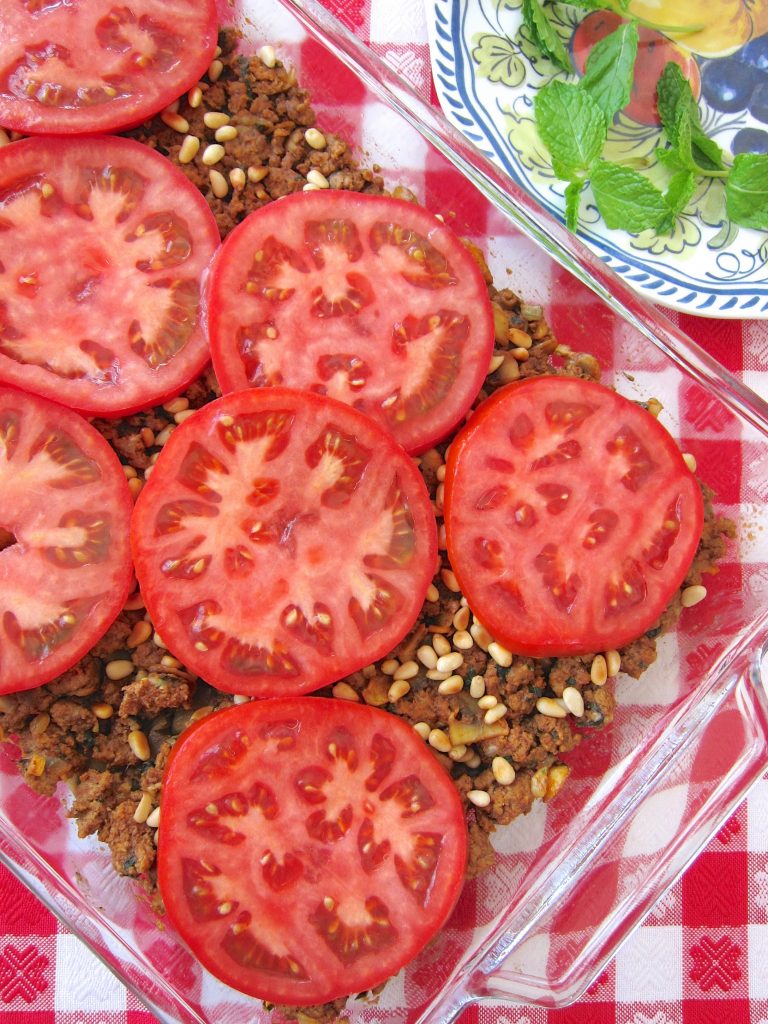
[497, 722]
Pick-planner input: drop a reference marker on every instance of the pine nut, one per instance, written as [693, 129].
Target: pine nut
[39, 723]
[463, 640]
[175, 121]
[257, 174]
[119, 669]
[461, 618]
[503, 771]
[176, 404]
[549, 707]
[167, 661]
[135, 486]
[195, 97]
[480, 635]
[343, 691]
[130, 472]
[180, 417]
[613, 663]
[219, 185]
[458, 753]
[439, 740]
[520, 354]
[143, 809]
[422, 729]
[226, 133]
[500, 654]
[487, 701]
[390, 666]
[450, 662]
[267, 56]
[315, 177]
[574, 701]
[240, 698]
[479, 797]
[158, 641]
[139, 744]
[432, 673]
[212, 154]
[427, 656]
[237, 178]
[453, 684]
[477, 687]
[147, 437]
[215, 119]
[189, 149]
[154, 819]
[407, 670]
[134, 603]
[103, 711]
[518, 338]
[690, 461]
[494, 714]
[397, 690]
[315, 139]
[433, 594]
[440, 644]
[141, 632]
[215, 70]
[495, 363]
[5, 138]
[692, 595]
[598, 671]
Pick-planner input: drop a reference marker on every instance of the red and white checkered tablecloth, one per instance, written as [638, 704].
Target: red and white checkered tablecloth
[700, 957]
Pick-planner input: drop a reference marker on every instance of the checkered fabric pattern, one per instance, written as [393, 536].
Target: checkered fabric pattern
[701, 955]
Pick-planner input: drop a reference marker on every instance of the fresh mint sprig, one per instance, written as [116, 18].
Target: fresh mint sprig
[573, 121]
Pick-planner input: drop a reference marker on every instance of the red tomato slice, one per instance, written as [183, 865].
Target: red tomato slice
[309, 848]
[571, 518]
[65, 565]
[283, 540]
[96, 67]
[368, 299]
[102, 247]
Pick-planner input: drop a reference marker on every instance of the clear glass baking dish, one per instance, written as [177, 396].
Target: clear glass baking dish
[575, 877]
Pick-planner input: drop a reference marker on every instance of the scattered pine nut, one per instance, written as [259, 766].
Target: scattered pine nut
[212, 154]
[450, 662]
[479, 797]
[463, 640]
[449, 580]
[141, 632]
[227, 133]
[427, 656]
[612, 663]
[343, 691]
[139, 744]
[690, 461]
[219, 184]
[500, 654]
[390, 666]
[487, 700]
[316, 177]
[477, 687]
[189, 149]
[143, 809]
[549, 707]
[574, 701]
[175, 121]
[397, 690]
[693, 595]
[215, 70]
[440, 644]
[422, 729]
[180, 417]
[267, 56]
[154, 819]
[598, 671]
[257, 174]
[215, 119]
[120, 669]
[433, 594]
[439, 740]
[103, 711]
[453, 684]
[195, 97]
[495, 713]
[503, 771]
[461, 618]
[237, 178]
[407, 670]
[315, 139]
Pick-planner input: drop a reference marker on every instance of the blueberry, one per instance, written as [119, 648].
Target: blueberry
[727, 84]
[756, 53]
[750, 140]
[758, 105]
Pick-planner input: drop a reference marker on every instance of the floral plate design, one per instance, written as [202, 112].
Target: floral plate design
[487, 70]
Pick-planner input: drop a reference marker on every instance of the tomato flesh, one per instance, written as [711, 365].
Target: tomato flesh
[571, 517]
[94, 67]
[368, 299]
[65, 566]
[112, 323]
[309, 847]
[282, 541]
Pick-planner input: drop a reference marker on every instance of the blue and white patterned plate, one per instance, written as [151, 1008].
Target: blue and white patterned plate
[487, 71]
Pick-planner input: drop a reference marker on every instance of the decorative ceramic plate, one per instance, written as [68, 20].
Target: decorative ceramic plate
[487, 70]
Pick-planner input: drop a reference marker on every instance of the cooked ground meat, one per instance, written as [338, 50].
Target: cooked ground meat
[108, 725]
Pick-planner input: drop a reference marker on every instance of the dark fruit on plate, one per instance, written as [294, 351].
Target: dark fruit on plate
[654, 52]
[750, 140]
[758, 105]
[756, 53]
[727, 84]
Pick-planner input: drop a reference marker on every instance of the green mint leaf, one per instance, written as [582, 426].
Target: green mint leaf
[746, 191]
[669, 158]
[544, 36]
[609, 71]
[677, 197]
[625, 198]
[572, 203]
[572, 127]
[675, 103]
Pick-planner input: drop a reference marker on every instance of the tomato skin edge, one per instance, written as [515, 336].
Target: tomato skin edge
[464, 440]
[167, 872]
